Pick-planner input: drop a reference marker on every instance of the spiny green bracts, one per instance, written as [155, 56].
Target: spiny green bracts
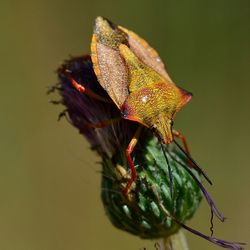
[145, 212]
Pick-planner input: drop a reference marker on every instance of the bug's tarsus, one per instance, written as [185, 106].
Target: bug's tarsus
[76, 85]
[169, 170]
[194, 165]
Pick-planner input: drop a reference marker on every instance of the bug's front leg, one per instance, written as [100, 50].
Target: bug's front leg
[79, 87]
[192, 163]
[183, 139]
[129, 151]
[184, 142]
[102, 124]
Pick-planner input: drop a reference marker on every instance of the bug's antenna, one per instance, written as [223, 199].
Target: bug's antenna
[211, 203]
[169, 170]
[195, 165]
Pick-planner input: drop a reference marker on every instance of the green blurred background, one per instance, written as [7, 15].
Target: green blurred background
[50, 181]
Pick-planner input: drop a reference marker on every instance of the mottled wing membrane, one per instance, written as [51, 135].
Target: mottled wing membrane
[109, 66]
[145, 53]
[108, 63]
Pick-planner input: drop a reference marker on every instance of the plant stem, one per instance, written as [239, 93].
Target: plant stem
[175, 242]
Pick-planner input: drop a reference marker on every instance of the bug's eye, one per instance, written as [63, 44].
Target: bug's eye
[153, 127]
[124, 112]
[172, 123]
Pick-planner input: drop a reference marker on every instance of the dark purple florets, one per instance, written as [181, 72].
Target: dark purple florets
[84, 110]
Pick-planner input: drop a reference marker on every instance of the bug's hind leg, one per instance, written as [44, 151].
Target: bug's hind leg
[79, 87]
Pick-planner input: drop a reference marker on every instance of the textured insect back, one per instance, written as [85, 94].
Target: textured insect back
[134, 76]
[108, 64]
[140, 75]
[145, 53]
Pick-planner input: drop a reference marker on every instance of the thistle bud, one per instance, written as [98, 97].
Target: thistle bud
[166, 192]
[149, 208]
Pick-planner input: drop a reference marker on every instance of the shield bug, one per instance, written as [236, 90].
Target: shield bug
[134, 76]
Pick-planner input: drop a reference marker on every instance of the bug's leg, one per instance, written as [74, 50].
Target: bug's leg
[184, 142]
[192, 163]
[183, 139]
[129, 150]
[79, 87]
[102, 124]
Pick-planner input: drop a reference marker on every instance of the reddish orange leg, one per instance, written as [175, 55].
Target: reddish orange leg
[183, 139]
[184, 142]
[84, 90]
[102, 124]
[191, 161]
[129, 151]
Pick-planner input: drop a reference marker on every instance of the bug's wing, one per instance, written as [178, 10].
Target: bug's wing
[145, 53]
[108, 64]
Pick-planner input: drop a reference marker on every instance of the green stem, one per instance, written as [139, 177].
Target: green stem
[175, 242]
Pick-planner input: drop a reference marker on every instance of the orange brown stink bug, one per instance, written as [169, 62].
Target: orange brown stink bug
[123, 83]
[135, 79]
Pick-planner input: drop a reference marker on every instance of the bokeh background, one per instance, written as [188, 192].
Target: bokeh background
[49, 178]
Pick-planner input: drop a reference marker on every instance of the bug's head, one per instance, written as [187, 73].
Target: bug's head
[155, 107]
[162, 122]
[162, 127]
